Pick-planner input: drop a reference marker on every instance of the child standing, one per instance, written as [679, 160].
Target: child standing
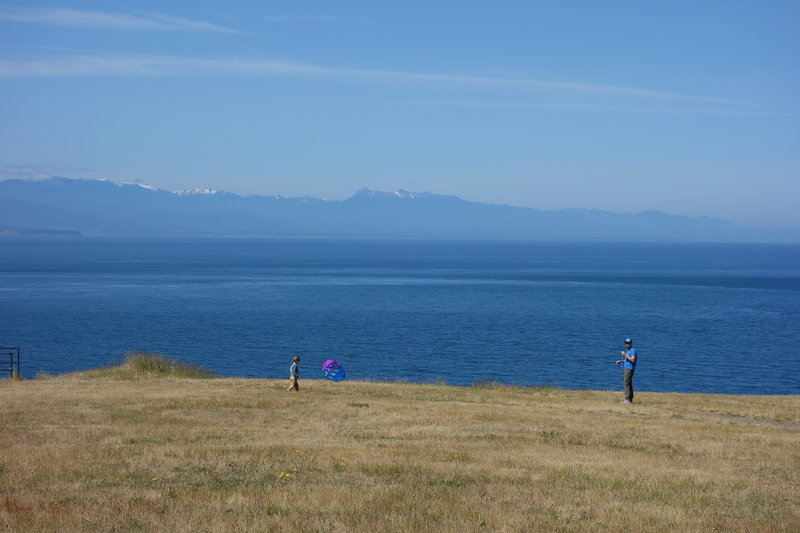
[294, 374]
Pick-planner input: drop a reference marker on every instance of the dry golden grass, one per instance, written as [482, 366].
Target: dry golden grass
[176, 454]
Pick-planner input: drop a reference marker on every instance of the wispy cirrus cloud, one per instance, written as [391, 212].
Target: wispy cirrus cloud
[107, 20]
[312, 18]
[649, 109]
[115, 64]
[41, 172]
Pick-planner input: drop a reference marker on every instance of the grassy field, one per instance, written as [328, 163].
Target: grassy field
[147, 450]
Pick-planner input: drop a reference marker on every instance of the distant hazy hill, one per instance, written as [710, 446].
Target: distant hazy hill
[101, 207]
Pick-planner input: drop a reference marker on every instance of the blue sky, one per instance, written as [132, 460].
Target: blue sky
[691, 108]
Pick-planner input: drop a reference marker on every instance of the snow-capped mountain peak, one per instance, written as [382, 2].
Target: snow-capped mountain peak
[400, 193]
[185, 192]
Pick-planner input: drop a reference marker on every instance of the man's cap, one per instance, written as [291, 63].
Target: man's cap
[628, 341]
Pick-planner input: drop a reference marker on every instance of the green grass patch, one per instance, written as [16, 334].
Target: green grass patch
[143, 365]
[153, 363]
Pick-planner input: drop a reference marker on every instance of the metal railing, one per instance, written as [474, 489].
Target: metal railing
[9, 361]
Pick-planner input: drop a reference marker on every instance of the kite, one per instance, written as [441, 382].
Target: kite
[333, 370]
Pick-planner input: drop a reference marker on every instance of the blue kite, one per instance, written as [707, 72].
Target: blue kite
[333, 370]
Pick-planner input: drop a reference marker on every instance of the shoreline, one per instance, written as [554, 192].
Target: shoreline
[478, 384]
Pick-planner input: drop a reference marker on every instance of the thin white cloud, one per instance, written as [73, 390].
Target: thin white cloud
[312, 18]
[113, 21]
[113, 64]
[671, 110]
[41, 172]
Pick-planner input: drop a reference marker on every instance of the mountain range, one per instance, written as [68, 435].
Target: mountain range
[63, 206]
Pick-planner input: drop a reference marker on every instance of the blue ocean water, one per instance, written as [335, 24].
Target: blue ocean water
[718, 318]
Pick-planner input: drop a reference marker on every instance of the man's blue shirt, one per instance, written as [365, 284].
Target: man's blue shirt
[631, 353]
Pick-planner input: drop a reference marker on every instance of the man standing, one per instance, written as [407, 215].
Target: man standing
[629, 358]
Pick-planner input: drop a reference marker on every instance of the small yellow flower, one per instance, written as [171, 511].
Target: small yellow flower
[155, 479]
